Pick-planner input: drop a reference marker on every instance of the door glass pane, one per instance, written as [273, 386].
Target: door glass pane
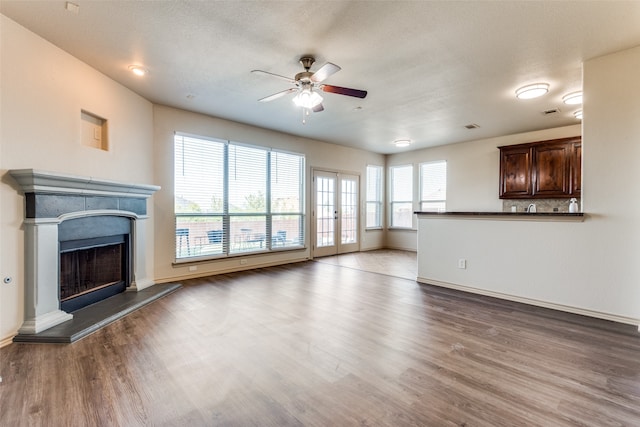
[349, 209]
[325, 211]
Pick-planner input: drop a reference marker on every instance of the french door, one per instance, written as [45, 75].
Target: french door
[335, 213]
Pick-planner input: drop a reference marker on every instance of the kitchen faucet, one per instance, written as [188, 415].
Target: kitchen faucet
[531, 208]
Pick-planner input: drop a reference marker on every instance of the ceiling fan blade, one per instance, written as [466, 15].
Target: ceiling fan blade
[318, 108]
[345, 91]
[325, 71]
[277, 95]
[266, 73]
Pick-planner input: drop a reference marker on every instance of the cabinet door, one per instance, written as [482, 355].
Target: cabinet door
[515, 173]
[576, 169]
[551, 169]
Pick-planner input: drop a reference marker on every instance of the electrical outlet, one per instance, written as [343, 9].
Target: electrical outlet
[243, 262]
[462, 263]
[193, 268]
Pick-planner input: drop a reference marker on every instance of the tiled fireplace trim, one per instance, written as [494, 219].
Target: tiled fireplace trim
[52, 198]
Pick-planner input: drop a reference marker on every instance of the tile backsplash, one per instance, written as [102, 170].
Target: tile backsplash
[542, 205]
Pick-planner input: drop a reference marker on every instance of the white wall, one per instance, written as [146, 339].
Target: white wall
[588, 267]
[43, 91]
[319, 155]
[472, 174]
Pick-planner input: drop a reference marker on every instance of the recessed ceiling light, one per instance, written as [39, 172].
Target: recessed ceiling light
[400, 143]
[138, 70]
[578, 114]
[573, 98]
[532, 91]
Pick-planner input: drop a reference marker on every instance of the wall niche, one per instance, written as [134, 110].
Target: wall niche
[94, 131]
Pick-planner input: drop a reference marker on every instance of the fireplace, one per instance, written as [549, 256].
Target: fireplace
[85, 240]
[95, 262]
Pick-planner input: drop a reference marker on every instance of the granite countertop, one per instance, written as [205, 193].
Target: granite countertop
[507, 216]
[565, 214]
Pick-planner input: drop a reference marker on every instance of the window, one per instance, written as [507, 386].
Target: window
[433, 186]
[401, 196]
[374, 197]
[233, 199]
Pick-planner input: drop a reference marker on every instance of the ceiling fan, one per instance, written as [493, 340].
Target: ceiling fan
[308, 84]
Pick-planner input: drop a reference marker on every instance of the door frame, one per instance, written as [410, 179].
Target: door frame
[352, 247]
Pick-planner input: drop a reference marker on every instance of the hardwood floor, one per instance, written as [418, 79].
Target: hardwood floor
[383, 261]
[318, 344]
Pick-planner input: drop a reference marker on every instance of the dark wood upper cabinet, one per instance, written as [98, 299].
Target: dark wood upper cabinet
[545, 169]
[575, 172]
[515, 172]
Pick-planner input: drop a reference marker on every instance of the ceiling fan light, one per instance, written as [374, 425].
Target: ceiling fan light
[532, 91]
[307, 99]
[573, 98]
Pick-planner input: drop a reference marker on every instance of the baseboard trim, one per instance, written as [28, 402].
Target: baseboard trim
[228, 270]
[400, 248]
[6, 341]
[534, 302]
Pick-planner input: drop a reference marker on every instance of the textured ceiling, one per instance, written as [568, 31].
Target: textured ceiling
[430, 67]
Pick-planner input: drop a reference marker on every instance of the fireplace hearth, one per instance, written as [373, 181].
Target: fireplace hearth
[84, 241]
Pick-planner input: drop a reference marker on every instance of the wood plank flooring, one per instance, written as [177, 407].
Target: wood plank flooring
[384, 261]
[318, 344]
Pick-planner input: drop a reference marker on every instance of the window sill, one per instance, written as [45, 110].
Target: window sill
[209, 258]
[402, 229]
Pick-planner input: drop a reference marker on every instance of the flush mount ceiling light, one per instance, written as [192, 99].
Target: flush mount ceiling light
[532, 91]
[573, 98]
[400, 143]
[138, 70]
[578, 114]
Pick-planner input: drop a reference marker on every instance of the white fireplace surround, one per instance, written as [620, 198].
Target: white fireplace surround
[42, 303]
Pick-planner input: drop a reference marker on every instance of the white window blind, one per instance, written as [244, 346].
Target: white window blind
[374, 197]
[401, 196]
[232, 198]
[287, 199]
[433, 186]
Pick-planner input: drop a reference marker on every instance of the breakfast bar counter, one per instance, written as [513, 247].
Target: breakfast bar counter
[518, 216]
[517, 256]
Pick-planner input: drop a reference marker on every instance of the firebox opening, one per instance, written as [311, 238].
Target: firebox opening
[92, 270]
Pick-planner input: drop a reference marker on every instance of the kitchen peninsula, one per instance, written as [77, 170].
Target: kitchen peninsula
[514, 256]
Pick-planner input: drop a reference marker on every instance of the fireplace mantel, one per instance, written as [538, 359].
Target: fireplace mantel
[52, 198]
[45, 182]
